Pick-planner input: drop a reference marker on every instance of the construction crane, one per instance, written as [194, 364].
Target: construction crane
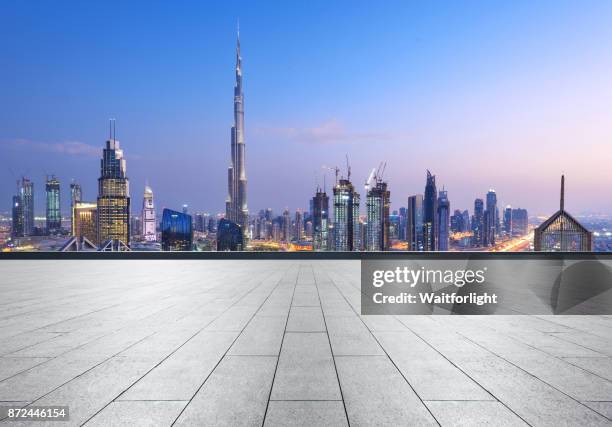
[336, 170]
[376, 175]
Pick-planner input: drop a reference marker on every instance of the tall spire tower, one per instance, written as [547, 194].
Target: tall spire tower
[236, 205]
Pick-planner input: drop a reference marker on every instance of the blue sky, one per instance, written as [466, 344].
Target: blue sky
[479, 92]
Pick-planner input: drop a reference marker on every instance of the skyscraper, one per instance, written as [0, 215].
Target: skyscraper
[478, 224]
[76, 194]
[177, 231]
[148, 216]
[443, 216]
[414, 223]
[17, 217]
[236, 204]
[430, 217]
[377, 206]
[403, 214]
[298, 233]
[52, 193]
[520, 222]
[346, 216]
[562, 232]
[229, 236]
[286, 226]
[320, 220]
[508, 221]
[490, 219]
[84, 221]
[26, 195]
[113, 195]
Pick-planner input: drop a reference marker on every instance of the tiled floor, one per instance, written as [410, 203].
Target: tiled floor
[280, 343]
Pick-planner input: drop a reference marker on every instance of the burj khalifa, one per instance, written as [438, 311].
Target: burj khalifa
[236, 204]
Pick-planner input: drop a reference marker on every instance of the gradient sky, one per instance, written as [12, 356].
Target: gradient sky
[485, 94]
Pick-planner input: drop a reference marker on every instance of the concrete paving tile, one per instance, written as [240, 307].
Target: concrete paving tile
[602, 345]
[375, 393]
[383, 323]
[305, 319]
[306, 414]
[305, 369]
[182, 373]
[306, 296]
[601, 366]
[135, 413]
[349, 336]
[262, 337]
[19, 342]
[10, 366]
[234, 319]
[574, 381]
[86, 394]
[236, 394]
[604, 408]
[468, 414]
[431, 375]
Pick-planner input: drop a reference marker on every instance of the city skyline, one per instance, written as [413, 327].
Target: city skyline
[183, 154]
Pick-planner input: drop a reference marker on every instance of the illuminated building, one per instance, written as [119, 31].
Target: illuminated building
[149, 222]
[236, 204]
[84, 221]
[286, 226]
[378, 201]
[443, 216]
[53, 215]
[76, 194]
[414, 223]
[320, 220]
[26, 195]
[520, 222]
[299, 226]
[490, 219]
[113, 195]
[403, 214]
[508, 220]
[229, 236]
[346, 217]
[562, 232]
[430, 214]
[478, 223]
[177, 231]
[17, 217]
[456, 222]
[466, 221]
[135, 227]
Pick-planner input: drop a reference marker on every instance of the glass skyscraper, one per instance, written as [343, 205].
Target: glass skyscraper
[414, 223]
[320, 220]
[113, 195]
[562, 232]
[17, 217]
[26, 197]
[378, 201]
[478, 224]
[430, 214]
[346, 217]
[177, 231]
[443, 221]
[229, 236]
[54, 217]
[490, 219]
[236, 209]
